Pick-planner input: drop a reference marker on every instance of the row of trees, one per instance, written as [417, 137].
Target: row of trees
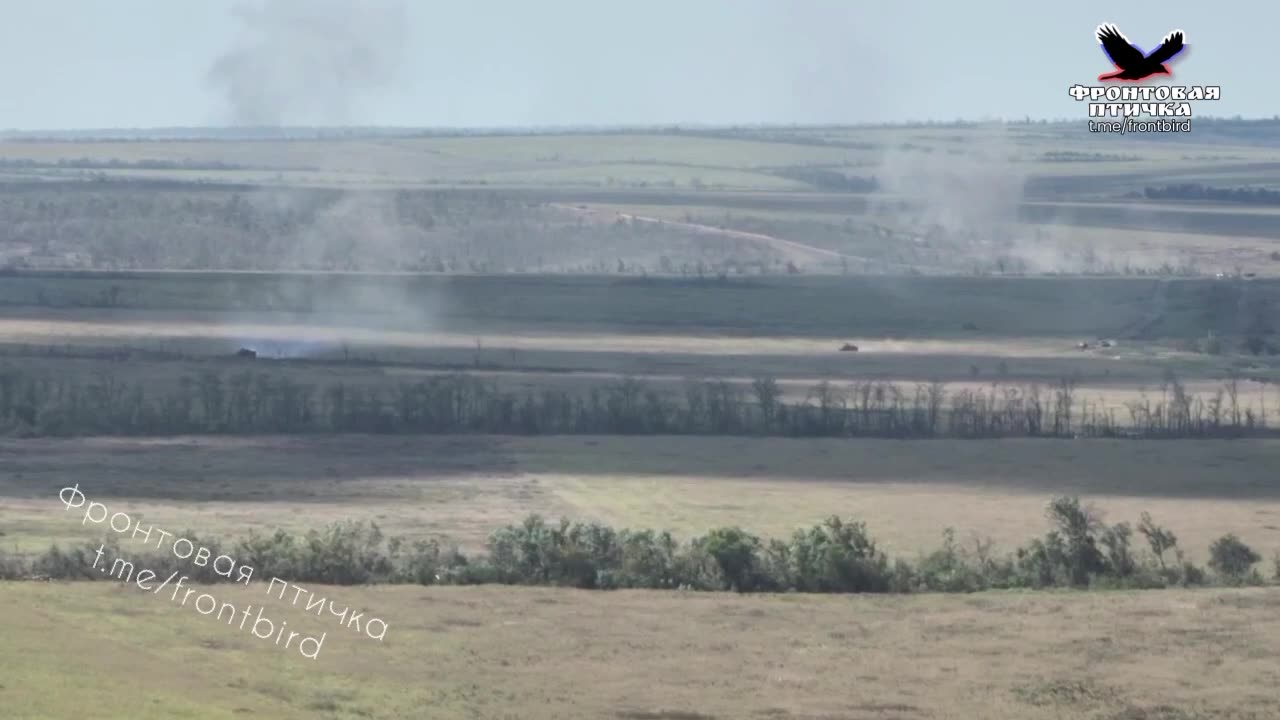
[830, 180]
[247, 402]
[1077, 156]
[87, 163]
[835, 556]
[1196, 191]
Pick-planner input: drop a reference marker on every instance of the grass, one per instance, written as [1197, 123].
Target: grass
[463, 488]
[111, 651]
[587, 159]
[832, 307]
[96, 650]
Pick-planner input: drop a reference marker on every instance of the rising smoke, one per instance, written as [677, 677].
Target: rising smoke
[309, 61]
[313, 62]
[973, 188]
[340, 232]
[967, 198]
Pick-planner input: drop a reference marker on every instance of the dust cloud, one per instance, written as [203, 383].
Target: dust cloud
[313, 62]
[308, 61]
[964, 192]
[350, 232]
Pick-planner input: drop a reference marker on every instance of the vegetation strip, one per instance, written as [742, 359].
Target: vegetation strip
[835, 556]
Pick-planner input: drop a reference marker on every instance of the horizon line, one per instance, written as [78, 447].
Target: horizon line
[665, 127]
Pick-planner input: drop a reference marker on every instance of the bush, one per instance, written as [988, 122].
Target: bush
[11, 568]
[568, 554]
[74, 564]
[946, 569]
[1188, 574]
[1119, 558]
[1159, 539]
[735, 553]
[1077, 550]
[834, 556]
[1209, 345]
[1231, 558]
[1255, 344]
[838, 556]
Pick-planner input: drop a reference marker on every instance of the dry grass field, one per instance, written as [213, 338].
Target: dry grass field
[462, 488]
[568, 262]
[99, 651]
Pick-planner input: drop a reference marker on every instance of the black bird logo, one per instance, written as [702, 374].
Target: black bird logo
[1131, 62]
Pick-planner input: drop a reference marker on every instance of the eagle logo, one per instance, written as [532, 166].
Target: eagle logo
[1131, 63]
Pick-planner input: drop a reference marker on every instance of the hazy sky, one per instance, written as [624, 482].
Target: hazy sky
[150, 63]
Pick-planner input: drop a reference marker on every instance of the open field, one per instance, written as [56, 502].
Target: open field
[484, 652]
[557, 267]
[186, 226]
[956, 200]
[680, 156]
[830, 307]
[461, 488]
[527, 334]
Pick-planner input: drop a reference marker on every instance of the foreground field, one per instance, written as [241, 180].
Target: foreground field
[462, 488]
[109, 651]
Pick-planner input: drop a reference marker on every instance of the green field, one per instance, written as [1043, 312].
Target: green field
[830, 307]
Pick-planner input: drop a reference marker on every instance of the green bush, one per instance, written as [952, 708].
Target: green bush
[736, 553]
[838, 556]
[1074, 547]
[948, 570]
[834, 556]
[1231, 558]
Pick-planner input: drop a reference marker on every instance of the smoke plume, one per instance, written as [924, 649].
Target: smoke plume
[309, 61]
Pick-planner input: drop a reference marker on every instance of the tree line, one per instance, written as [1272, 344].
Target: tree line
[257, 401]
[1196, 191]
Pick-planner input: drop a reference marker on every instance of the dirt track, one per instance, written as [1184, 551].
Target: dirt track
[795, 251]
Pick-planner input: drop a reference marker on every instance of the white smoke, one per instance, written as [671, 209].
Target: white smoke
[309, 61]
[973, 187]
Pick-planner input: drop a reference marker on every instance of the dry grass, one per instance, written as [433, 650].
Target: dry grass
[95, 650]
[110, 651]
[463, 488]
[135, 326]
